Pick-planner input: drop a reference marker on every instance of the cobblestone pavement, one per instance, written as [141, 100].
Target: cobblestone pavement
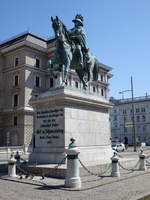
[129, 186]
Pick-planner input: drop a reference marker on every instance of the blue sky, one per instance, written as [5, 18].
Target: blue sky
[118, 33]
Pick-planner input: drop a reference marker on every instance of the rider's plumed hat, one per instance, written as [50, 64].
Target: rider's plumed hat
[79, 19]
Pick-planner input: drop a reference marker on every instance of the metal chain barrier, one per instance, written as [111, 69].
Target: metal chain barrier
[27, 174]
[59, 164]
[92, 173]
[147, 162]
[147, 157]
[32, 175]
[129, 169]
[118, 154]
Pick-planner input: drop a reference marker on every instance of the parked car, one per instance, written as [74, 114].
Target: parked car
[118, 147]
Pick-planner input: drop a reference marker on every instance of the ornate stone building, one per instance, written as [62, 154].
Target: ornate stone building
[24, 75]
[121, 119]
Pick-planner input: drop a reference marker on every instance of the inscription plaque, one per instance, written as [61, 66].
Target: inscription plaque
[49, 128]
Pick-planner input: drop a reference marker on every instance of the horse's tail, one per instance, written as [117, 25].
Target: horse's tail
[95, 70]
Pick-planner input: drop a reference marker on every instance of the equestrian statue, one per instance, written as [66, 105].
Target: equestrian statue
[71, 52]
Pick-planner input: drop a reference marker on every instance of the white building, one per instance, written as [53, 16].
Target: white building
[121, 116]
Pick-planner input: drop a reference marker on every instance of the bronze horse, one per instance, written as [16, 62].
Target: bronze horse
[66, 55]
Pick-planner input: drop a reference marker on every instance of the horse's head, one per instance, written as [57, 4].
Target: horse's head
[57, 26]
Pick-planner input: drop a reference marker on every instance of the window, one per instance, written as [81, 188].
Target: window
[142, 109]
[37, 81]
[16, 80]
[76, 84]
[115, 111]
[143, 118]
[15, 120]
[15, 100]
[137, 118]
[37, 62]
[16, 62]
[102, 78]
[51, 82]
[144, 128]
[102, 92]
[137, 110]
[124, 111]
[94, 89]
[139, 139]
[115, 117]
[115, 125]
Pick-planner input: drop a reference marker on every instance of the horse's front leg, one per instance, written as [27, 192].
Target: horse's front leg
[65, 74]
[81, 76]
[52, 69]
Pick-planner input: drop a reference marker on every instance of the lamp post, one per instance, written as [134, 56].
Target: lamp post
[133, 118]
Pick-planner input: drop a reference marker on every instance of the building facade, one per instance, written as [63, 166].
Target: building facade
[24, 75]
[121, 116]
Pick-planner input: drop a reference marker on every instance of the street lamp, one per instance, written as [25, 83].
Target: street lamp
[133, 118]
[122, 92]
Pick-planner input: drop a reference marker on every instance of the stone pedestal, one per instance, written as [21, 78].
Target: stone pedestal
[63, 113]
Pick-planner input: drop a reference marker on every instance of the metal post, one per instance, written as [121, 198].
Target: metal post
[133, 118]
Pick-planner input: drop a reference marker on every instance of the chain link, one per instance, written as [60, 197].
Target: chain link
[59, 164]
[27, 174]
[129, 169]
[147, 162]
[147, 157]
[118, 154]
[92, 173]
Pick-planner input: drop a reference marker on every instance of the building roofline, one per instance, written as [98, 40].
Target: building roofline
[22, 35]
[129, 100]
[106, 67]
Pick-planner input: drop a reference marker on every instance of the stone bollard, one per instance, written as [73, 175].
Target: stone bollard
[142, 162]
[115, 167]
[72, 179]
[12, 166]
